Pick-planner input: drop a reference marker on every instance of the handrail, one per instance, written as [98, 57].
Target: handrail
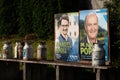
[69, 64]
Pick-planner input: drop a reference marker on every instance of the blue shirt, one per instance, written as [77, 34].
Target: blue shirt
[63, 48]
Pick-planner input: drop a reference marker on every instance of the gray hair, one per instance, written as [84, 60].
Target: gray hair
[92, 13]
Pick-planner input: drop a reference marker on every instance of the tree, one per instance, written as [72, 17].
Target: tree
[25, 17]
[8, 17]
[114, 26]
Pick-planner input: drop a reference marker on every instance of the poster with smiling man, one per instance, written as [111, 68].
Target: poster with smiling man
[67, 37]
[93, 29]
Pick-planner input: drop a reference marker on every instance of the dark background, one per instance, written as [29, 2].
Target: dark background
[19, 18]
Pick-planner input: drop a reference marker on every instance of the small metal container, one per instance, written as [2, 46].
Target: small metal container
[25, 51]
[5, 50]
[20, 50]
[42, 51]
[98, 55]
[16, 49]
[28, 51]
[31, 52]
[10, 49]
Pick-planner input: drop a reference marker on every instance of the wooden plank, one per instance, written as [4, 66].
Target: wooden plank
[98, 76]
[57, 72]
[72, 64]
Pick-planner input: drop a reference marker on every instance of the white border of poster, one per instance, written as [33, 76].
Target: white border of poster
[66, 37]
[102, 34]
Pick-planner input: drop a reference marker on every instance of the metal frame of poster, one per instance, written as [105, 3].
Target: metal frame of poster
[89, 35]
[66, 31]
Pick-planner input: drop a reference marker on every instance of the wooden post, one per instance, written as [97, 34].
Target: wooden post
[24, 71]
[57, 72]
[98, 76]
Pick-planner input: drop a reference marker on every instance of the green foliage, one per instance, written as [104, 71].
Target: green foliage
[114, 26]
[8, 17]
[82, 30]
[23, 17]
[43, 18]
[114, 16]
[50, 49]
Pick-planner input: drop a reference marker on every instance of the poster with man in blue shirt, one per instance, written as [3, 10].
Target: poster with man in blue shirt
[66, 37]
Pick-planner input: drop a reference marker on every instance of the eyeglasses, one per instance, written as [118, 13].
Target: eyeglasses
[64, 25]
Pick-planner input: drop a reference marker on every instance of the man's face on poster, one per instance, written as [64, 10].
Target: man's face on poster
[64, 27]
[91, 26]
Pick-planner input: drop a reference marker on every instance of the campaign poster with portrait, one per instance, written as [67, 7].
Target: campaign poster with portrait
[66, 30]
[93, 29]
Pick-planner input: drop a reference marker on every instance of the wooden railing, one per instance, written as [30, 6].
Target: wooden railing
[37, 70]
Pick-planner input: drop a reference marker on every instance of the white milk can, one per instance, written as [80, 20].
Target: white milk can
[20, 50]
[98, 55]
[16, 49]
[5, 50]
[41, 51]
[25, 51]
[31, 52]
[9, 49]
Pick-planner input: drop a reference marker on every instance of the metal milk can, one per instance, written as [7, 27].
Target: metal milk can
[25, 51]
[5, 50]
[30, 51]
[98, 55]
[20, 50]
[10, 49]
[41, 51]
[16, 49]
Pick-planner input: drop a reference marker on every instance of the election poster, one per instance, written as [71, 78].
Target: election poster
[93, 29]
[66, 30]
